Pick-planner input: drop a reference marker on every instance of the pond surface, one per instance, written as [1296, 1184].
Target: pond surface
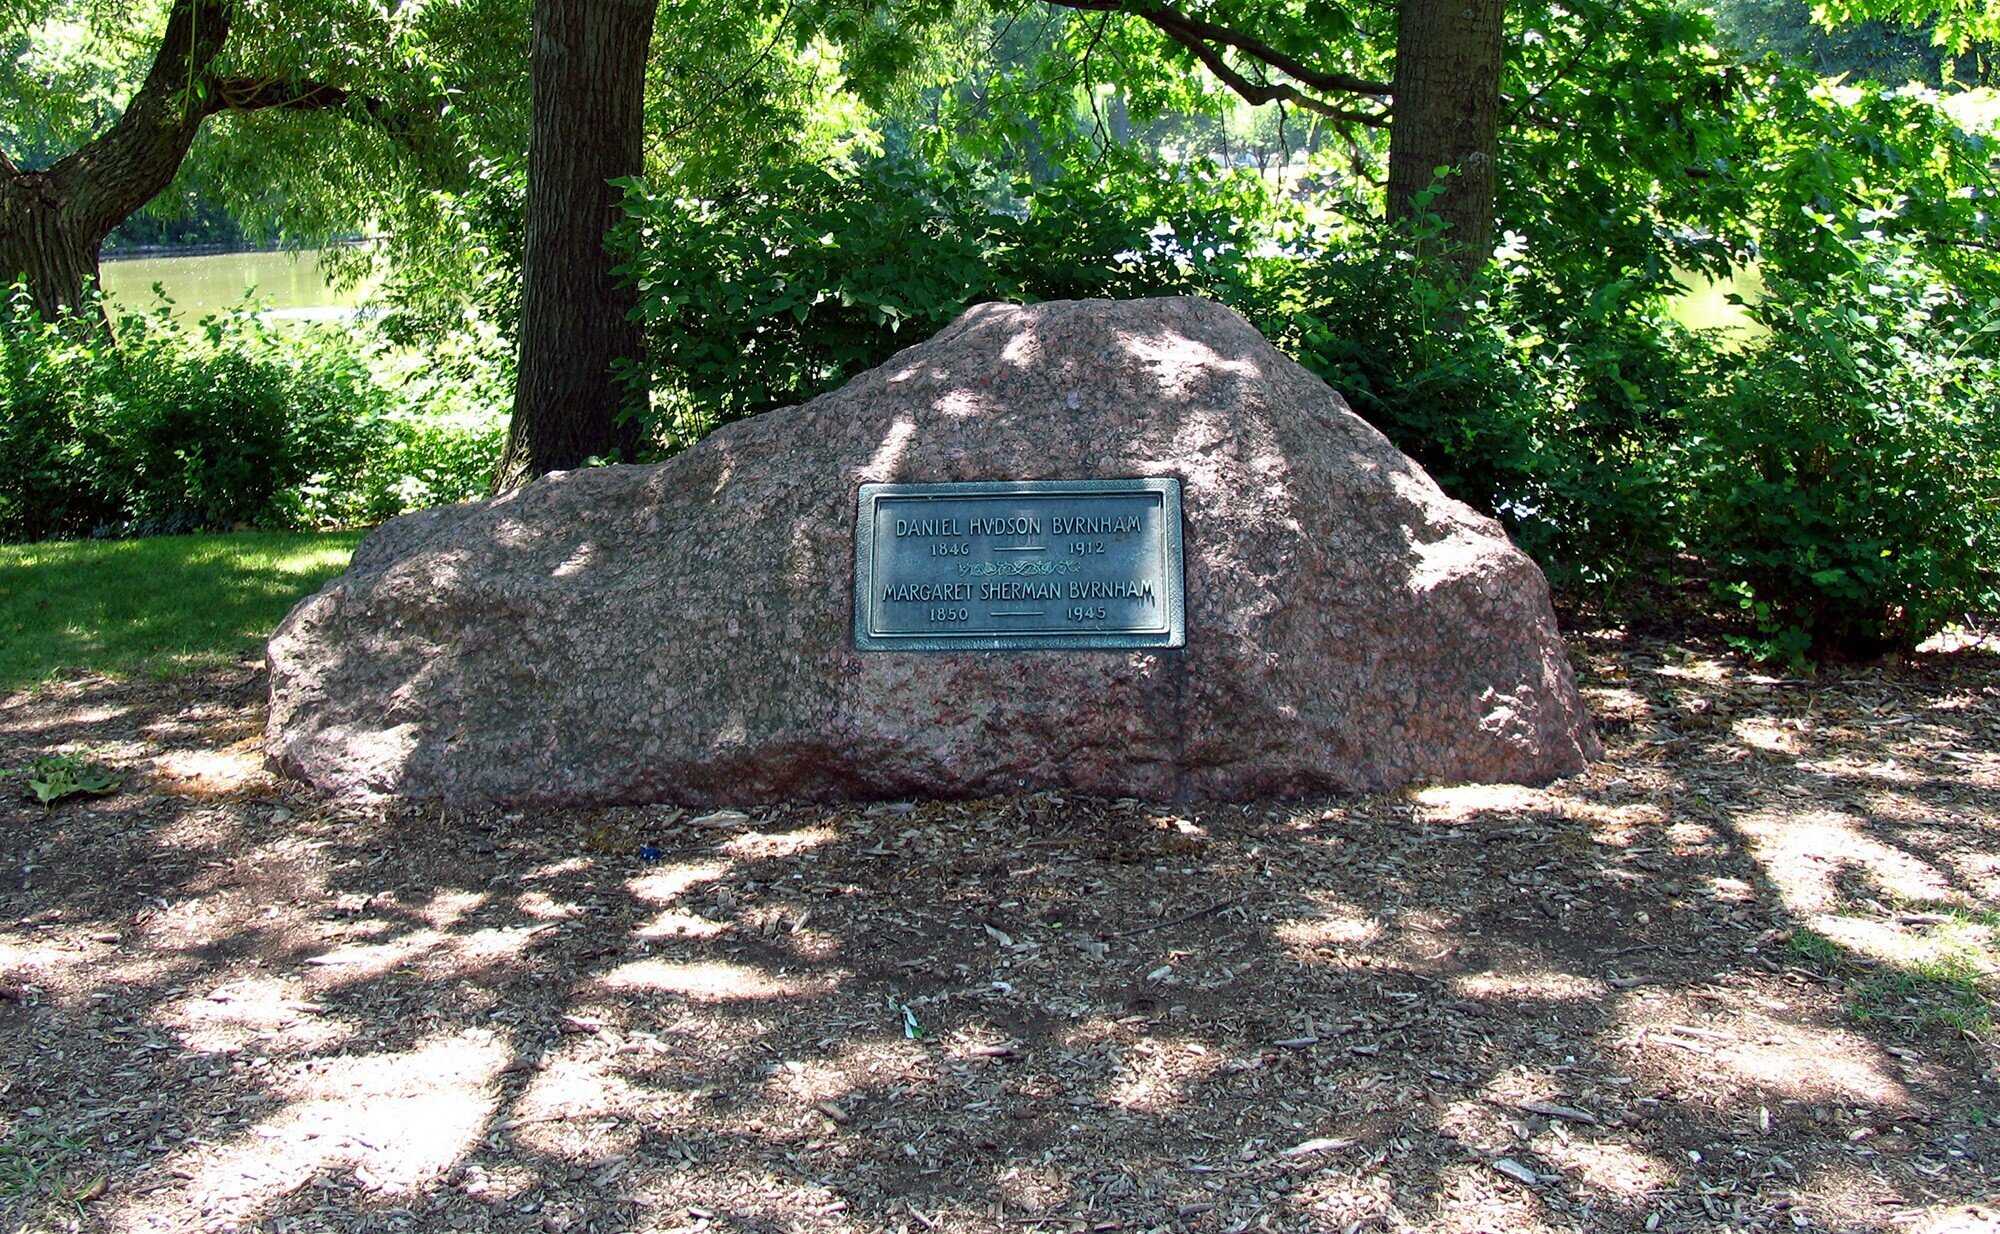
[293, 285]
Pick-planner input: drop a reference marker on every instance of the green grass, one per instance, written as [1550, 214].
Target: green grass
[42, 1184]
[1815, 947]
[162, 606]
[1952, 987]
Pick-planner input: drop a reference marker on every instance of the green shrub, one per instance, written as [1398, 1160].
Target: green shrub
[810, 275]
[151, 428]
[1559, 428]
[52, 462]
[154, 428]
[440, 441]
[1845, 471]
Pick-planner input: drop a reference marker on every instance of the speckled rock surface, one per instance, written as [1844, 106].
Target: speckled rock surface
[683, 632]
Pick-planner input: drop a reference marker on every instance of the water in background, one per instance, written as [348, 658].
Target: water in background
[292, 285]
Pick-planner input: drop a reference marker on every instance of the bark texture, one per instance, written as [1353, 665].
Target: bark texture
[1447, 91]
[589, 81]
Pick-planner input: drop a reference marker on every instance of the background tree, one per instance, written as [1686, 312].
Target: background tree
[581, 350]
[204, 59]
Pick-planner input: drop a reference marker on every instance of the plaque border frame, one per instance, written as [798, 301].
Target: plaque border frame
[1174, 636]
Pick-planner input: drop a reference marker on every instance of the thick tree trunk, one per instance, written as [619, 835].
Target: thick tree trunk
[43, 246]
[53, 222]
[589, 81]
[1447, 91]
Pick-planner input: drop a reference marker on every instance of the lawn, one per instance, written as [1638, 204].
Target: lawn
[162, 605]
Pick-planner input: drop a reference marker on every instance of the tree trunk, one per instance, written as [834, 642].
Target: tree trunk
[43, 246]
[1447, 91]
[52, 222]
[589, 81]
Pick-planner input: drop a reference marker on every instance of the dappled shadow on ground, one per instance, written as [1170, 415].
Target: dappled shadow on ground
[1626, 1001]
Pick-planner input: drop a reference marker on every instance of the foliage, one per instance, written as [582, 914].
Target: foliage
[52, 777]
[1844, 471]
[164, 430]
[161, 605]
[809, 275]
[156, 428]
[1554, 424]
[790, 289]
[1886, 51]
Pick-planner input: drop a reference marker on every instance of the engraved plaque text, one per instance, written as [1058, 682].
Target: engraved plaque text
[1018, 565]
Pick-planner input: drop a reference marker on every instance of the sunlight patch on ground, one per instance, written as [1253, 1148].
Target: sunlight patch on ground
[1616, 701]
[675, 924]
[543, 907]
[352, 962]
[1545, 985]
[483, 947]
[770, 846]
[1031, 1188]
[260, 1014]
[1615, 1169]
[1155, 1075]
[208, 773]
[1804, 853]
[1769, 735]
[1338, 1200]
[1702, 669]
[1460, 801]
[1338, 926]
[1732, 890]
[711, 981]
[77, 718]
[1903, 947]
[569, 1087]
[395, 1121]
[666, 884]
[557, 869]
[1470, 1196]
[1803, 1062]
[1953, 1218]
[67, 967]
[447, 908]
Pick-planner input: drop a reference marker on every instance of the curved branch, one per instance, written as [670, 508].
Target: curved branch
[1259, 93]
[123, 167]
[1190, 31]
[242, 94]
[259, 94]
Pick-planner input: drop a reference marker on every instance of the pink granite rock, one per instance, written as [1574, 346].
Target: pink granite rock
[683, 632]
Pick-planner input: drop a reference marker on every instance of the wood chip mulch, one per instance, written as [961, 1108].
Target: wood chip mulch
[1624, 1002]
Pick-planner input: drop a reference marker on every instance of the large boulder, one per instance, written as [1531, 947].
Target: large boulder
[684, 632]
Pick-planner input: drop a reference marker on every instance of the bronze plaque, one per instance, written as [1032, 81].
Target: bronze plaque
[1019, 565]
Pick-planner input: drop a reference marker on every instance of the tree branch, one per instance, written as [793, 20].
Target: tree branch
[1188, 31]
[265, 94]
[1257, 94]
[123, 167]
[8, 167]
[259, 94]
